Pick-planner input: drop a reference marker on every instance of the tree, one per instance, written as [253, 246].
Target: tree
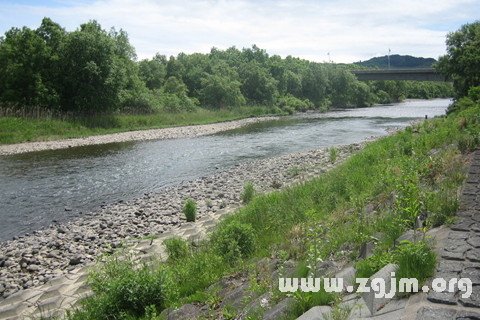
[91, 79]
[462, 61]
[315, 83]
[24, 61]
[153, 72]
[220, 91]
[258, 86]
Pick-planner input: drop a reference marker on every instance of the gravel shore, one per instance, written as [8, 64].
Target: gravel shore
[34, 259]
[153, 134]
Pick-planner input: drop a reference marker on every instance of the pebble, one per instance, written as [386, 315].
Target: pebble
[55, 250]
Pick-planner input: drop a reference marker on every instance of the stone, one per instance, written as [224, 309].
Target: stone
[446, 266]
[474, 241]
[185, 312]
[33, 268]
[325, 268]
[467, 315]
[473, 300]
[473, 255]
[373, 303]
[348, 276]
[366, 250]
[442, 297]
[279, 310]
[463, 225]
[316, 313]
[410, 235]
[75, 260]
[428, 313]
[471, 273]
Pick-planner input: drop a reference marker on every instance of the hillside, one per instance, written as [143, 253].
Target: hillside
[397, 62]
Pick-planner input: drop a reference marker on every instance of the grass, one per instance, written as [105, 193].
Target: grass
[190, 210]
[248, 192]
[16, 130]
[375, 194]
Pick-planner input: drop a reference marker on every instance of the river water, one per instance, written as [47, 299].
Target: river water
[39, 188]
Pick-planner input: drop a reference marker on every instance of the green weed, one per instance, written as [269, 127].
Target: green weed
[190, 210]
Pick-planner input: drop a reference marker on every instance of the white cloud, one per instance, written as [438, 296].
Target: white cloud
[349, 30]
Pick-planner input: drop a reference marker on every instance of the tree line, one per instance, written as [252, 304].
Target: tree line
[91, 70]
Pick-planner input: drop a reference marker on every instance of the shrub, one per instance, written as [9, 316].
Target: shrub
[369, 266]
[415, 260]
[248, 192]
[190, 210]
[292, 104]
[177, 248]
[120, 287]
[234, 241]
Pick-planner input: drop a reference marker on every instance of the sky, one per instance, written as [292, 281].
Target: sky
[341, 31]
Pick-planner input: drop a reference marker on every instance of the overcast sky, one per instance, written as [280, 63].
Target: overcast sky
[347, 30]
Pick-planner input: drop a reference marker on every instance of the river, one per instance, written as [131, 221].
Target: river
[39, 188]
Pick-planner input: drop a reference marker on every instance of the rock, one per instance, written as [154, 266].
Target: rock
[8, 263]
[373, 303]
[325, 268]
[316, 313]
[33, 268]
[427, 313]
[348, 276]
[185, 312]
[75, 260]
[366, 250]
[280, 310]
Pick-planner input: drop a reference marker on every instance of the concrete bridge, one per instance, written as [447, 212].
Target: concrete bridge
[425, 74]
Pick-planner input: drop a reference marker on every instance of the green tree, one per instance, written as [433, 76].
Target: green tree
[90, 78]
[315, 83]
[174, 96]
[220, 91]
[462, 61]
[24, 60]
[153, 72]
[258, 86]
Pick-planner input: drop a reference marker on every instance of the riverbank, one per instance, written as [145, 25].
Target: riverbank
[15, 130]
[34, 259]
[138, 135]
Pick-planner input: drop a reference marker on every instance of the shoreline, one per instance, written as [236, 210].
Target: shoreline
[30, 261]
[138, 135]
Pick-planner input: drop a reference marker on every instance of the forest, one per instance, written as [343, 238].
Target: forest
[93, 71]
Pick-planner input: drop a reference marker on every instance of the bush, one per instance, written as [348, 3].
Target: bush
[177, 248]
[234, 241]
[120, 287]
[248, 192]
[415, 260]
[290, 103]
[190, 210]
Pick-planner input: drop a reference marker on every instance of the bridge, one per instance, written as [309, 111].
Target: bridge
[424, 74]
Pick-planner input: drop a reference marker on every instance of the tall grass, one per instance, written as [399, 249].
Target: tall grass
[399, 175]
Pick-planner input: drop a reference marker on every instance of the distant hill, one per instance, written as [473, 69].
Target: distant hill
[398, 62]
